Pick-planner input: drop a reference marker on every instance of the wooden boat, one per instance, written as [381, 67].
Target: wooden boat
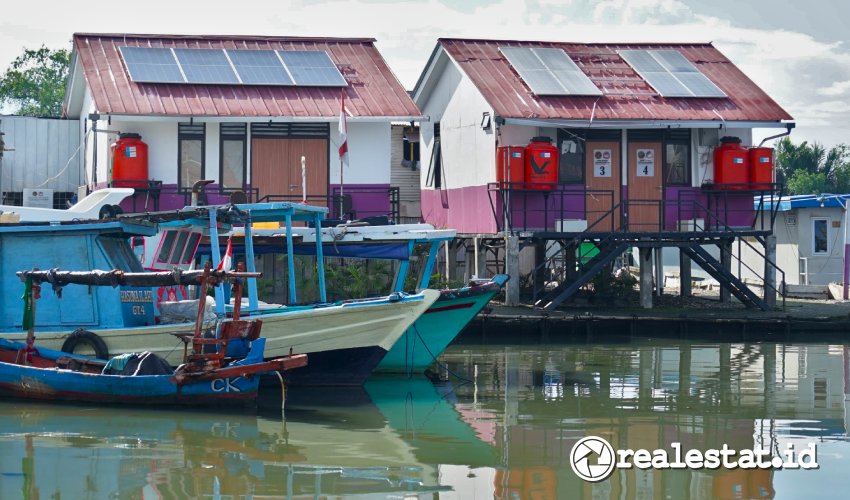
[206, 377]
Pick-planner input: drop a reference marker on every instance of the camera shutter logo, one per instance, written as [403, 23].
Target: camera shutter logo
[580, 459]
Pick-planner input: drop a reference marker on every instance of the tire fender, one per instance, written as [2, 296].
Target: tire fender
[85, 337]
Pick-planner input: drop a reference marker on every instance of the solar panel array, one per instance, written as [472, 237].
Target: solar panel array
[231, 67]
[670, 73]
[549, 71]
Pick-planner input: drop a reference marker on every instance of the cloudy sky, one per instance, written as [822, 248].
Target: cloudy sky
[798, 51]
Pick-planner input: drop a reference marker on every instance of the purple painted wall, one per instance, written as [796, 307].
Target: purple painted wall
[367, 200]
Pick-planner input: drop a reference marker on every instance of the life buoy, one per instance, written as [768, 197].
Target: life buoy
[85, 338]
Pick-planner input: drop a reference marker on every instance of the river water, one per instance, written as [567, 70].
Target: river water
[500, 423]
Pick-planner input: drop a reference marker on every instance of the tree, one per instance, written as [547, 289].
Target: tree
[811, 168]
[35, 82]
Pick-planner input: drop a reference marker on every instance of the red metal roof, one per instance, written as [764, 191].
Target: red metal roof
[626, 95]
[373, 90]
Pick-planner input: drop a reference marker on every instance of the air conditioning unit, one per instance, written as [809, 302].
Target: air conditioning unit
[570, 225]
[692, 225]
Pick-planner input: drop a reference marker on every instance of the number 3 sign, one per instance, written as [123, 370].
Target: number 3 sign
[602, 163]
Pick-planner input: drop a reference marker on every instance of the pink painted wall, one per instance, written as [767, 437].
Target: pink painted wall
[466, 209]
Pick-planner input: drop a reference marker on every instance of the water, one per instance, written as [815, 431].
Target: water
[507, 433]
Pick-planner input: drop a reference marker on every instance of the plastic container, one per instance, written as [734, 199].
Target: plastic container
[129, 161]
[510, 166]
[541, 164]
[761, 168]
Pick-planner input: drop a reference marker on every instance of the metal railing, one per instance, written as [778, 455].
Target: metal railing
[353, 203]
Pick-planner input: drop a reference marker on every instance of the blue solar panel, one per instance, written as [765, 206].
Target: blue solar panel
[154, 65]
[259, 67]
[549, 71]
[671, 74]
[206, 66]
[312, 68]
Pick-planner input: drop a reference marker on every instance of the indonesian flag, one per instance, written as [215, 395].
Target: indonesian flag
[226, 263]
[343, 134]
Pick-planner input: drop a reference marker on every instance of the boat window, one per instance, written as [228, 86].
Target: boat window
[165, 246]
[138, 245]
[177, 254]
[191, 247]
[119, 254]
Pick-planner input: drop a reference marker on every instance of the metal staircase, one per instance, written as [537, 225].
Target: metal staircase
[713, 267]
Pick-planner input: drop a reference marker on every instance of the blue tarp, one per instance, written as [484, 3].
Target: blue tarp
[394, 251]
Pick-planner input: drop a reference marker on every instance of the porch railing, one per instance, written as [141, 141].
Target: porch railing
[351, 203]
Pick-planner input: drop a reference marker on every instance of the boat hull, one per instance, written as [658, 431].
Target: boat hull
[354, 327]
[64, 385]
[437, 327]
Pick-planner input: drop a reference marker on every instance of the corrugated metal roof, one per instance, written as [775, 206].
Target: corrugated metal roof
[373, 90]
[626, 95]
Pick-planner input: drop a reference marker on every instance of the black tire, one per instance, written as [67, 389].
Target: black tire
[106, 212]
[86, 339]
[117, 210]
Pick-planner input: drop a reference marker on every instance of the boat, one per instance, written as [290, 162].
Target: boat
[432, 332]
[207, 376]
[100, 204]
[345, 340]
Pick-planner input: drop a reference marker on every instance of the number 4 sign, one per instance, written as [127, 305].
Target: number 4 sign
[645, 163]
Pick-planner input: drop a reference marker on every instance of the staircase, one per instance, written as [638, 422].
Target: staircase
[609, 250]
[713, 267]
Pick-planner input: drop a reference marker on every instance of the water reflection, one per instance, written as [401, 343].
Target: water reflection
[534, 403]
[506, 433]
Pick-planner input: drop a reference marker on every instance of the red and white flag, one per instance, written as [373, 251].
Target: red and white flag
[343, 134]
[226, 263]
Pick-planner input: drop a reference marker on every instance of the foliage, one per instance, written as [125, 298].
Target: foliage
[616, 284]
[35, 82]
[812, 169]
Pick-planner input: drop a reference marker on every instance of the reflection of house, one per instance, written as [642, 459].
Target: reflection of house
[810, 238]
[632, 127]
[242, 111]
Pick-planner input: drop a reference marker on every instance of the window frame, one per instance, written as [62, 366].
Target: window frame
[184, 134]
[687, 181]
[580, 141]
[232, 137]
[825, 221]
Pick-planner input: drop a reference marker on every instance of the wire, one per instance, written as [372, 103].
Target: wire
[49, 179]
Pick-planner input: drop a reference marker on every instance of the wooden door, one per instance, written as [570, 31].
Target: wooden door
[602, 169]
[644, 207]
[276, 168]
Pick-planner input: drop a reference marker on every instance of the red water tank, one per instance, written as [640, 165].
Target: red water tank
[129, 161]
[541, 164]
[510, 166]
[731, 168]
[761, 167]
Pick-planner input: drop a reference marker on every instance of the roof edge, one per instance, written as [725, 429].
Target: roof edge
[596, 44]
[145, 36]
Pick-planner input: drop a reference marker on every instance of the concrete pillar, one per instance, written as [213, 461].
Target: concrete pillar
[512, 269]
[725, 263]
[541, 272]
[646, 278]
[451, 261]
[770, 271]
[659, 271]
[468, 261]
[684, 274]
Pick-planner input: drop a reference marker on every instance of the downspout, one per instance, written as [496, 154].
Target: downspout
[788, 128]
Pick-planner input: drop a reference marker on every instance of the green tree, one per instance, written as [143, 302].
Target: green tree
[802, 182]
[35, 82]
[812, 169]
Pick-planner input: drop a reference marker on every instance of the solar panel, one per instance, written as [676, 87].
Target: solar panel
[312, 68]
[259, 67]
[671, 74]
[154, 65]
[549, 71]
[206, 66]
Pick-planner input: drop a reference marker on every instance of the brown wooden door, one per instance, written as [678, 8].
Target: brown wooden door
[645, 187]
[602, 169]
[276, 168]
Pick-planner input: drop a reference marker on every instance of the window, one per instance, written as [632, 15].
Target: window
[435, 169]
[233, 149]
[190, 153]
[820, 236]
[120, 254]
[410, 148]
[677, 157]
[571, 161]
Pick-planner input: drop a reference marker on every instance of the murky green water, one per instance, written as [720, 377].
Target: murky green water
[507, 433]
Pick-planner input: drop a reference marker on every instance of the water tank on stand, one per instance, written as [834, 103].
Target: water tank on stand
[761, 167]
[541, 164]
[731, 164]
[129, 161]
[510, 166]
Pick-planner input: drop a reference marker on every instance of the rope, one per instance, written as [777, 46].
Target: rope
[439, 363]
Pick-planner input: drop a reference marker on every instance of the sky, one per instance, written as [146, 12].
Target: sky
[797, 51]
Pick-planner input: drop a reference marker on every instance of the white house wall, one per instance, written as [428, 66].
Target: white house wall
[368, 153]
[45, 152]
[468, 151]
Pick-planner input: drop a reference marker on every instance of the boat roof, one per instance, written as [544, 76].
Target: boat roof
[353, 234]
[125, 228]
[234, 214]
